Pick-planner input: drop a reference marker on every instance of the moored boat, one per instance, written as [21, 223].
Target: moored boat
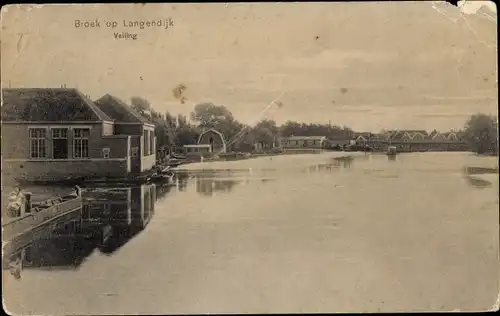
[25, 217]
[162, 177]
[174, 162]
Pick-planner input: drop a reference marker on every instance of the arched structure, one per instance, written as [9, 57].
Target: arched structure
[213, 138]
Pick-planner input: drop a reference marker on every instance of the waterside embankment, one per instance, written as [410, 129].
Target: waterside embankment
[271, 161]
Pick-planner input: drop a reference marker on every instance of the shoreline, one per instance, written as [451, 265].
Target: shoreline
[272, 159]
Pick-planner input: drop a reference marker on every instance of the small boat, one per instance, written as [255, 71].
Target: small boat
[162, 177]
[177, 156]
[26, 217]
[392, 151]
[174, 162]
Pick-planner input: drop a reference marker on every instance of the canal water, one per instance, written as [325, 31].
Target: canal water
[275, 235]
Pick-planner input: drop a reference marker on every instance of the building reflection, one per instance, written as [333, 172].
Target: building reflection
[206, 183]
[118, 214]
[210, 186]
[109, 218]
[181, 181]
[64, 244]
[334, 165]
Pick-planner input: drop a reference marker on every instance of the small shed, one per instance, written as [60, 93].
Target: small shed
[201, 148]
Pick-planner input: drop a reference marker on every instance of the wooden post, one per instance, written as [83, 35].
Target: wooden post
[26, 203]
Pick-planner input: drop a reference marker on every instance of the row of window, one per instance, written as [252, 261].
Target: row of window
[80, 145]
[38, 143]
[452, 137]
[301, 142]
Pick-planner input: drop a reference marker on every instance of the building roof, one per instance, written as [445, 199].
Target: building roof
[197, 146]
[356, 134]
[213, 131]
[119, 110]
[397, 135]
[305, 137]
[432, 134]
[380, 136]
[49, 105]
[339, 137]
[413, 131]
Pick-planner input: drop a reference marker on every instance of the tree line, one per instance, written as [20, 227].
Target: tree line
[480, 131]
[177, 130]
[481, 134]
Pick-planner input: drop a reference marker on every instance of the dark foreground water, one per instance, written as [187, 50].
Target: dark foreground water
[284, 234]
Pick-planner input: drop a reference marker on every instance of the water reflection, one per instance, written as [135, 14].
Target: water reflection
[391, 158]
[334, 164]
[109, 218]
[480, 177]
[64, 244]
[478, 182]
[118, 214]
[207, 183]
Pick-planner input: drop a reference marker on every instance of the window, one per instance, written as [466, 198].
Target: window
[151, 143]
[60, 143]
[81, 142]
[105, 152]
[145, 143]
[37, 142]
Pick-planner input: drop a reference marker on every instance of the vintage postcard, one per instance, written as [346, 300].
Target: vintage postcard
[249, 158]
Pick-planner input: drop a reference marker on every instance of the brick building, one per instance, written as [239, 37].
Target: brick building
[60, 133]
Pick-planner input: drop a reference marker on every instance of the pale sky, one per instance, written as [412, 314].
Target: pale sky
[405, 65]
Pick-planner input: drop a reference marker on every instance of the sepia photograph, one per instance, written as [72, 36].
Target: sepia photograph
[249, 158]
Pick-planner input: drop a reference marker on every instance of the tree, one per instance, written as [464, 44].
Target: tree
[481, 133]
[182, 121]
[142, 106]
[264, 135]
[186, 135]
[268, 125]
[290, 128]
[209, 115]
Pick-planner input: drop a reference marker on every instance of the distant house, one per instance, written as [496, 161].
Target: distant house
[418, 136]
[379, 137]
[60, 133]
[379, 141]
[363, 137]
[201, 148]
[303, 142]
[265, 145]
[213, 138]
[451, 136]
[431, 135]
[407, 136]
[437, 137]
[338, 141]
